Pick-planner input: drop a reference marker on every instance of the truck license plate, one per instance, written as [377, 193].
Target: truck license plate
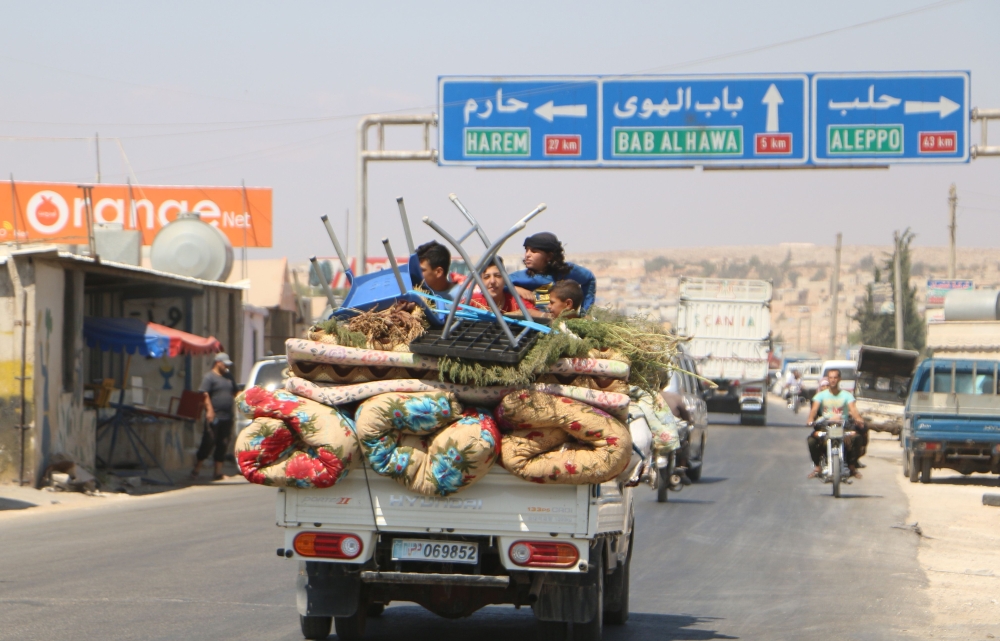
[439, 551]
[753, 407]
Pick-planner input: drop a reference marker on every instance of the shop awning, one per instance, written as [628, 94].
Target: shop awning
[148, 339]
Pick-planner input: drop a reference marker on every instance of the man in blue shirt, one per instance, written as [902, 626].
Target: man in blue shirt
[545, 263]
[836, 404]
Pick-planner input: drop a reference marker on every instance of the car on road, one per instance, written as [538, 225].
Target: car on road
[686, 384]
[270, 373]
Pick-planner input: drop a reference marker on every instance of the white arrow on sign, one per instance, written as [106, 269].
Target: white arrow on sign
[772, 99]
[942, 106]
[548, 111]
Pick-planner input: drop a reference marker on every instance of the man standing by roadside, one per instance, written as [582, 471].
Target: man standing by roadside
[219, 389]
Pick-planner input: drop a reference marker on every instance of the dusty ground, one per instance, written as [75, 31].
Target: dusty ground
[959, 546]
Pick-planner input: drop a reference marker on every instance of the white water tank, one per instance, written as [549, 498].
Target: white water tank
[972, 305]
[189, 246]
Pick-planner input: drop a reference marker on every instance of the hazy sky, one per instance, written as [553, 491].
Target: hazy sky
[210, 93]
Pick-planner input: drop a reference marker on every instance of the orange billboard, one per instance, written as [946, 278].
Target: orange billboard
[58, 212]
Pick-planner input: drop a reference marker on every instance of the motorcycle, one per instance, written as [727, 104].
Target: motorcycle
[794, 397]
[669, 475]
[833, 465]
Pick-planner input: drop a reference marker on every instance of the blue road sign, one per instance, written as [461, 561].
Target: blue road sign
[889, 118]
[705, 120]
[518, 121]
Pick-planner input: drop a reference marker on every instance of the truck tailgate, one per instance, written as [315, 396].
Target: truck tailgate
[499, 503]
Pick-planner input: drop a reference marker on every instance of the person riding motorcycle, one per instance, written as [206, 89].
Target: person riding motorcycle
[833, 402]
[793, 386]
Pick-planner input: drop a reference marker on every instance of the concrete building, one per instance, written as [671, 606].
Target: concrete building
[44, 296]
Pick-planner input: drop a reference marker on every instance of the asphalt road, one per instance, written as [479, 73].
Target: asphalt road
[754, 551]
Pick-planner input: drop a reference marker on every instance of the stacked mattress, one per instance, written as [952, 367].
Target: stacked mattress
[343, 407]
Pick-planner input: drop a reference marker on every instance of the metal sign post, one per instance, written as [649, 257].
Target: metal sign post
[380, 153]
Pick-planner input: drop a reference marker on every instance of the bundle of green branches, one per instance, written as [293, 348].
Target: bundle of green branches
[649, 348]
[645, 344]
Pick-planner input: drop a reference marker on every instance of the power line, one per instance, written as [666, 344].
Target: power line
[821, 34]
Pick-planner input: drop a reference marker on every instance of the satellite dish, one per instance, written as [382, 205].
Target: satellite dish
[191, 247]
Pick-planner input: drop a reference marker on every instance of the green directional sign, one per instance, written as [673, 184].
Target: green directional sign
[865, 139]
[677, 141]
[498, 141]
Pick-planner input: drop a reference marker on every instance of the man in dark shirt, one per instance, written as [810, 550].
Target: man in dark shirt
[219, 389]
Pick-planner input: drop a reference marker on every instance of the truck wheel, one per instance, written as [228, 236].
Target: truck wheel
[352, 627]
[914, 466]
[925, 469]
[618, 583]
[315, 627]
[593, 630]
[906, 464]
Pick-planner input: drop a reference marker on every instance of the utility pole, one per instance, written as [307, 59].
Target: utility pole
[952, 205]
[834, 293]
[798, 336]
[97, 148]
[898, 290]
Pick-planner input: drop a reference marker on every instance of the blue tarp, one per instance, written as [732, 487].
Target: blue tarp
[129, 334]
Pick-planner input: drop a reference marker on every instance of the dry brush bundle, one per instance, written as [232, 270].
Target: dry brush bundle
[387, 329]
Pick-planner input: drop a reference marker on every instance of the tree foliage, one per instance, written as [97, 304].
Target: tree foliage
[880, 329]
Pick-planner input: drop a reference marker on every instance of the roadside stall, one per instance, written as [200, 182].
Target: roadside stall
[125, 435]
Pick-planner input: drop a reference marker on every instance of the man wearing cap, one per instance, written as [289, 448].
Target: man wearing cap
[219, 389]
[545, 263]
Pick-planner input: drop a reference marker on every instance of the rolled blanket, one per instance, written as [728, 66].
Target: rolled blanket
[416, 439]
[659, 419]
[599, 383]
[293, 441]
[561, 440]
[617, 404]
[299, 350]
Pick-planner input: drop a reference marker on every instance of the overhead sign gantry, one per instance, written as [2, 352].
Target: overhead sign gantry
[723, 120]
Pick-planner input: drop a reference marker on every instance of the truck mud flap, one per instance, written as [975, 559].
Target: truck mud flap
[571, 598]
[327, 590]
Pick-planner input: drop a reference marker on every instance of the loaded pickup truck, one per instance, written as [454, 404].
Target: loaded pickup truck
[563, 550]
[952, 418]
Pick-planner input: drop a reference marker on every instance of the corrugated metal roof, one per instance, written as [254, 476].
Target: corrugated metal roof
[50, 251]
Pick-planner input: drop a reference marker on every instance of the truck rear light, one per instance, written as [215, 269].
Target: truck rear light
[329, 545]
[543, 555]
[929, 447]
[752, 391]
[996, 448]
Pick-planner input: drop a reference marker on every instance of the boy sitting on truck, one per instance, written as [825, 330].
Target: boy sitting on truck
[565, 298]
[435, 260]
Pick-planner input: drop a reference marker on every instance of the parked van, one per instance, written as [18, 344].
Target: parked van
[952, 418]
